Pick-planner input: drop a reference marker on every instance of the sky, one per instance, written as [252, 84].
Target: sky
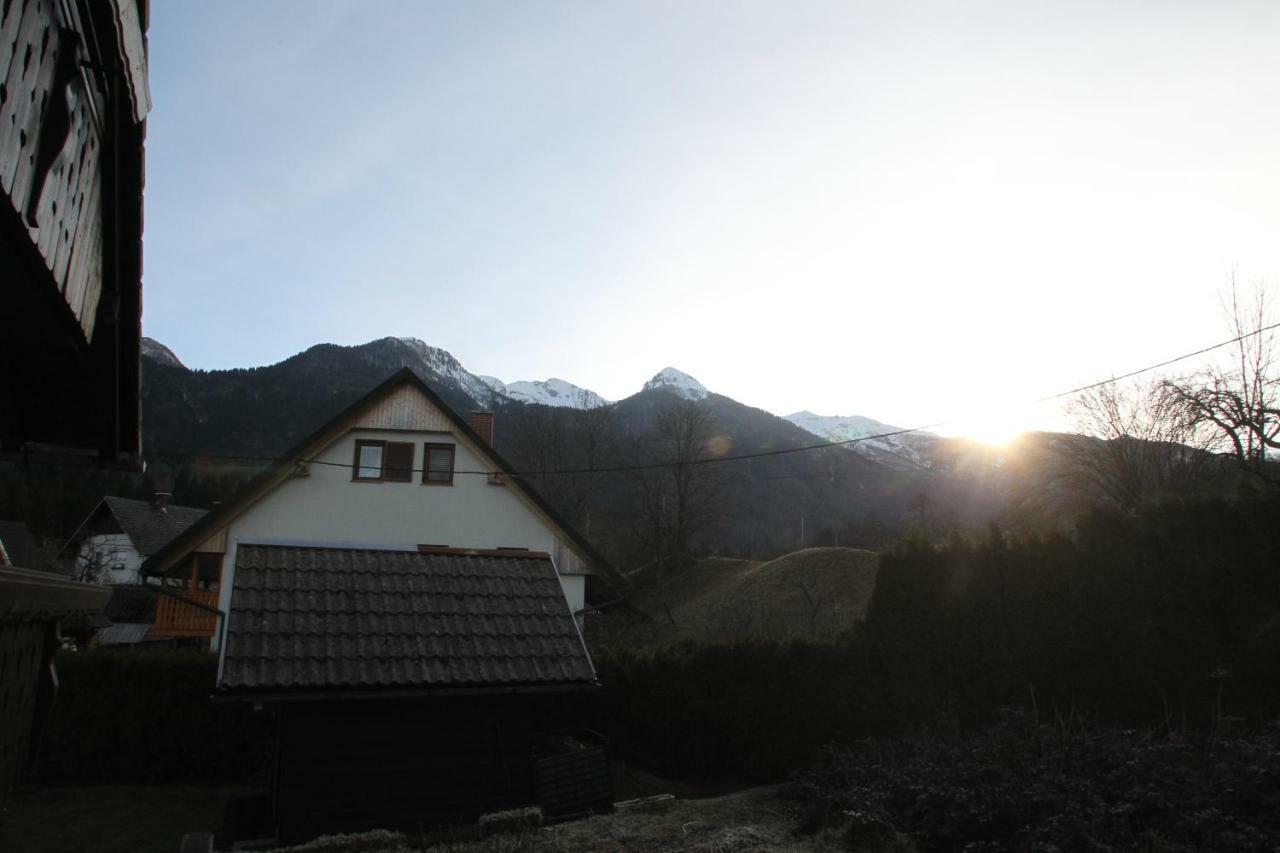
[921, 213]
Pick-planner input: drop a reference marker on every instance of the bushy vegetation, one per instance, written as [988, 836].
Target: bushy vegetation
[1024, 785]
[1168, 617]
[147, 717]
[1169, 613]
[752, 711]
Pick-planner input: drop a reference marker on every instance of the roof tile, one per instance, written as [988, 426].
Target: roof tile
[313, 617]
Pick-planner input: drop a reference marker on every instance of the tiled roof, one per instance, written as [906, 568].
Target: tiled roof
[132, 603]
[151, 527]
[344, 618]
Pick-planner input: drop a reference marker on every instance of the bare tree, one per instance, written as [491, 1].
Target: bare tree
[1238, 399]
[1133, 444]
[681, 500]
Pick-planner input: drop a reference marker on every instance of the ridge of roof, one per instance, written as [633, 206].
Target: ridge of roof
[207, 525]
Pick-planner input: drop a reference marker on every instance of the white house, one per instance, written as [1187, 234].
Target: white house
[120, 533]
[397, 471]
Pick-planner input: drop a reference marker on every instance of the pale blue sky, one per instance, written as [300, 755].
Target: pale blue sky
[907, 211]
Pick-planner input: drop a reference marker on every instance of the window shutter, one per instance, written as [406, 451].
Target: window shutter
[399, 462]
[439, 464]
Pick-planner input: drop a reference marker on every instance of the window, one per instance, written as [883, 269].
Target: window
[389, 461]
[438, 468]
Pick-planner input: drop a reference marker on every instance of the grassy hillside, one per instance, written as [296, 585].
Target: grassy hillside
[815, 594]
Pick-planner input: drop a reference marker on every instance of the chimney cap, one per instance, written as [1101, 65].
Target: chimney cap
[161, 499]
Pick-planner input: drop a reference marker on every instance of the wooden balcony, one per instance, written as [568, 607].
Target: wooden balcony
[178, 618]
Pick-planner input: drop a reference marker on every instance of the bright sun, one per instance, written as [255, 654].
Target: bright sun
[993, 426]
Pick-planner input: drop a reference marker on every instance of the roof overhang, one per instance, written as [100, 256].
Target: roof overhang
[286, 696]
[28, 593]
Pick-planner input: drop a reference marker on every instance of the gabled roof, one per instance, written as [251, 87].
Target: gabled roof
[150, 525]
[157, 563]
[307, 619]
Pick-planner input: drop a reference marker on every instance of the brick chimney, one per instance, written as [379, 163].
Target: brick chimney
[482, 423]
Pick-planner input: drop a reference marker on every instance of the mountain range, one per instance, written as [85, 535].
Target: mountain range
[791, 495]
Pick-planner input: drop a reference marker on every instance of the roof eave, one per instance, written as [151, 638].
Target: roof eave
[315, 694]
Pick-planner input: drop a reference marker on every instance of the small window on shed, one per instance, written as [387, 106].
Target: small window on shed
[390, 461]
[438, 468]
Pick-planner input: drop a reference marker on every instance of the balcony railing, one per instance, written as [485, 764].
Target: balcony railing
[176, 617]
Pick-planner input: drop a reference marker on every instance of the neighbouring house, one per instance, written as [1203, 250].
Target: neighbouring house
[404, 603]
[73, 106]
[111, 543]
[109, 548]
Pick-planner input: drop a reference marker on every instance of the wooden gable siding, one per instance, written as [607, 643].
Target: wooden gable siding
[567, 560]
[215, 544]
[50, 148]
[405, 408]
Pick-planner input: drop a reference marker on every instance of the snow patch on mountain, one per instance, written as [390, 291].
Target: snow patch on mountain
[159, 353]
[428, 360]
[555, 392]
[547, 392]
[679, 382]
[867, 435]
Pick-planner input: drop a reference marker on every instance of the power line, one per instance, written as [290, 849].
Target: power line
[1152, 367]
[710, 460]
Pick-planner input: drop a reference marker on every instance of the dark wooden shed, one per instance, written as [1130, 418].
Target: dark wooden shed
[410, 688]
[32, 606]
[73, 106]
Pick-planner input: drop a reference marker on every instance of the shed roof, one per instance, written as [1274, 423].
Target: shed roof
[150, 525]
[314, 618]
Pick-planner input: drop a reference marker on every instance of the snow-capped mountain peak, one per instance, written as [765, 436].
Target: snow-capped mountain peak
[866, 435]
[553, 392]
[678, 381]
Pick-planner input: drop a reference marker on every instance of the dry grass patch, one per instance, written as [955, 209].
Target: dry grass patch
[815, 595]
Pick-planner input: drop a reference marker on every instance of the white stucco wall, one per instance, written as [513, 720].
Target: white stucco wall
[328, 506]
[115, 552]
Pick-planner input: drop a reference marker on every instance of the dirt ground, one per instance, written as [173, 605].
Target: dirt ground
[750, 821]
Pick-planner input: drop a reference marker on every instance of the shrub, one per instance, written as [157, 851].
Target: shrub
[1019, 785]
[147, 716]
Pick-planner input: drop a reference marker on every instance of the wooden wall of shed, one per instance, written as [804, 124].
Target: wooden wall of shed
[50, 150]
[71, 152]
[399, 763]
[22, 656]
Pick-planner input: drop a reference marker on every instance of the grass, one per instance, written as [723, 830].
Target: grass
[108, 818]
[815, 594]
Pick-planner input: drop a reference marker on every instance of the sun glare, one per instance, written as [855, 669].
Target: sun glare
[994, 426]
